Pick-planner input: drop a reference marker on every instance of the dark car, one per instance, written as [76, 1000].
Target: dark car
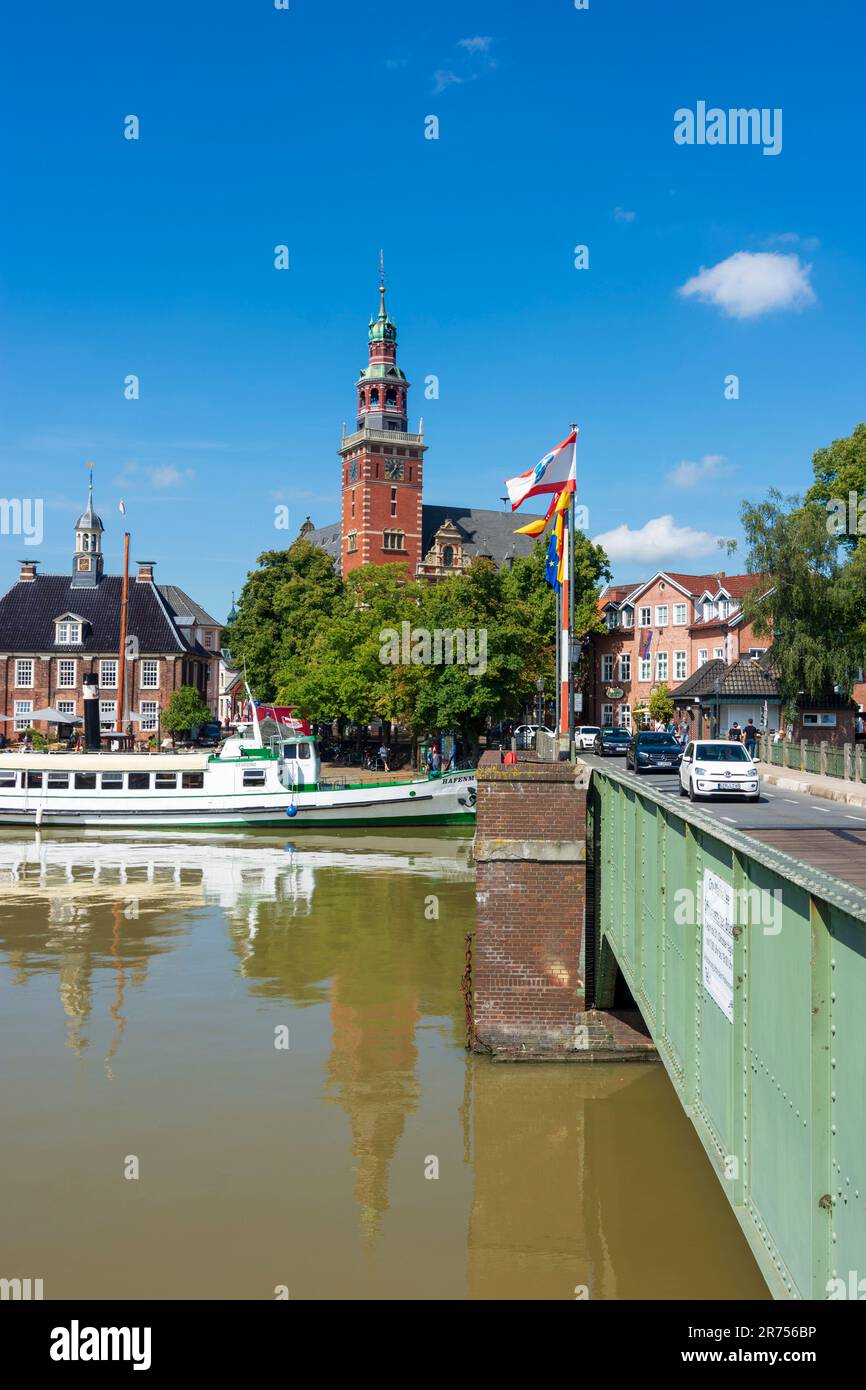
[610, 742]
[650, 752]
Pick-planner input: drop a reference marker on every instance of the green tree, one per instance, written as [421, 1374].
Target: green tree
[812, 607]
[839, 471]
[284, 604]
[185, 710]
[660, 704]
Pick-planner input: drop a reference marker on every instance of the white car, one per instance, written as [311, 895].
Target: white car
[585, 735]
[718, 767]
[525, 734]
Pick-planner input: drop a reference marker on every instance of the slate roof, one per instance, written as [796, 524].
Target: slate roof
[744, 677]
[180, 602]
[482, 532]
[28, 610]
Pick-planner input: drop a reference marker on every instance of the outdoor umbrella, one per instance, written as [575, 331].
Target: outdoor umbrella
[53, 716]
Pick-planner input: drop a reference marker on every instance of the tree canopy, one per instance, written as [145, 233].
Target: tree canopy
[840, 471]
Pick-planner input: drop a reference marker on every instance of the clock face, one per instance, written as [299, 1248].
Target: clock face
[353, 471]
[394, 469]
[84, 562]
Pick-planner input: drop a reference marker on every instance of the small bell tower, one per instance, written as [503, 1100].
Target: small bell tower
[87, 561]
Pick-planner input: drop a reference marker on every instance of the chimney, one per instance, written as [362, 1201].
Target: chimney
[28, 571]
[145, 571]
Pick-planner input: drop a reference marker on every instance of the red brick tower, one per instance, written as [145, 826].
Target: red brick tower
[382, 462]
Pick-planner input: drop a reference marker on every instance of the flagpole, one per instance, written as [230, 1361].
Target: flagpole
[556, 602]
[121, 655]
[571, 601]
[565, 728]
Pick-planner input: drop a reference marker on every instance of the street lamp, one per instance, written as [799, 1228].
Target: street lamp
[539, 686]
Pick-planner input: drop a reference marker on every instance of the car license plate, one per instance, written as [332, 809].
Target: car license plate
[722, 786]
[662, 764]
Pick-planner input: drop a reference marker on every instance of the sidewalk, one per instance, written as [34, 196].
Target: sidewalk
[813, 784]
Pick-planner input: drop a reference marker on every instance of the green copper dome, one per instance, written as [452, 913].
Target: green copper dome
[383, 329]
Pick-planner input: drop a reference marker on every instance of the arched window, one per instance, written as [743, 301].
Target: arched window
[374, 396]
[448, 556]
[391, 398]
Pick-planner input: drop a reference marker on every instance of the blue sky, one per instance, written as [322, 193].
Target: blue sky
[306, 127]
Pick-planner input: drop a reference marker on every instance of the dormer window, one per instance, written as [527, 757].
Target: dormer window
[68, 630]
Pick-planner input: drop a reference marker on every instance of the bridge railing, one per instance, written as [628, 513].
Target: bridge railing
[750, 970]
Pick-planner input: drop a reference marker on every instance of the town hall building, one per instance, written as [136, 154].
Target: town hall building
[384, 517]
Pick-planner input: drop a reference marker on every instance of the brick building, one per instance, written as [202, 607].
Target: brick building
[55, 628]
[384, 518]
[661, 631]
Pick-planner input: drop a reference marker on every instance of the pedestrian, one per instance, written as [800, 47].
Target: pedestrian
[684, 732]
[383, 755]
[435, 759]
[735, 733]
[750, 738]
[861, 723]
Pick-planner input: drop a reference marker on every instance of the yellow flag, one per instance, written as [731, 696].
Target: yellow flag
[532, 528]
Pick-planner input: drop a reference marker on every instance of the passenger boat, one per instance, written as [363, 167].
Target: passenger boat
[259, 777]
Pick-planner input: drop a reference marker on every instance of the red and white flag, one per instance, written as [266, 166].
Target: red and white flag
[556, 472]
[122, 507]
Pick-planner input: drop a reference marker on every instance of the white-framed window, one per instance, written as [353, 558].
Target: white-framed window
[625, 716]
[680, 614]
[149, 674]
[759, 651]
[23, 710]
[149, 711]
[108, 674]
[681, 665]
[646, 668]
[718, 653]
[723, 607]
[661, 666]
[645, 617]
[107, 714]
[66, 707]
[68, 633]
[626, 617]
[208, 640]
[612, 619]
[707, 610]
[23, 673]
[661, 615]
[67, 669]
[625, 666]
[702, 656]
[825, 720]
[606, 716]
[607, 667]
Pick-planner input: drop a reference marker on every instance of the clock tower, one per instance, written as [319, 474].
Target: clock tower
[382, 462]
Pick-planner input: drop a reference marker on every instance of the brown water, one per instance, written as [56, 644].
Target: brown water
[141, 984]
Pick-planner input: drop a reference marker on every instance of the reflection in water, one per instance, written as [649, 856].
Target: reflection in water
[175, 963]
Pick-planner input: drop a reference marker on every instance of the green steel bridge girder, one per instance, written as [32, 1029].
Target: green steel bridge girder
[774, 1080]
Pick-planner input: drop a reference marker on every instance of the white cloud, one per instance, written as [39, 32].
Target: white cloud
[480, 44]
[623, 215]
[751, 283]
[808, 243]
[443, 78]
[168, 476]
[689, 474]
[658, 541]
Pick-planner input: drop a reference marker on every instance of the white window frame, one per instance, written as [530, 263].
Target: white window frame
[624, 714]
[63, 663]
[66, 707]
[148, 662]
[149, 711]
[646, 668]
[107, 720]
[22, 662]
[607, 716]
[23, 710]
[645, 617]
[718, 653]
[759, 651]
[626, 617]
[681, 614]
[661, 609]
[68, 634]
[625, 666]
[104, 682]
[662, 665]
[607, 667]
[681, 665]
[703, 656]
[827, 721]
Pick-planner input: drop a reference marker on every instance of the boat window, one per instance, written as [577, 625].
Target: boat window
[165, 780]
[33, 779]
[58, 780]
[85, 781]
[138, 781]
[112, 781]
[253, 778]
[8, 779]
[290, 750]
[304, 750]
[193, 780]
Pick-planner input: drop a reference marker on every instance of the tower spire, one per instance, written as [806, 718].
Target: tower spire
[382, 313]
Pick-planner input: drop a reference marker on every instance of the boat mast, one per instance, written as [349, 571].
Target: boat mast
[121, 662]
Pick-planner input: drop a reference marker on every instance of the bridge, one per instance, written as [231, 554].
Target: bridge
[748, 967]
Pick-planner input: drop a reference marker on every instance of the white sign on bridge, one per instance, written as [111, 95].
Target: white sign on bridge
[718, 942]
